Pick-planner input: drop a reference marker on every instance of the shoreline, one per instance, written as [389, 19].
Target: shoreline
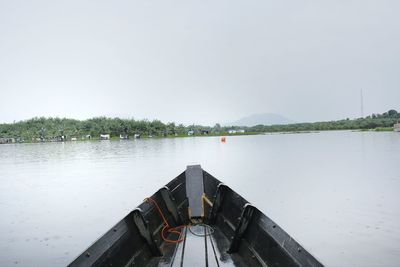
[116, 138]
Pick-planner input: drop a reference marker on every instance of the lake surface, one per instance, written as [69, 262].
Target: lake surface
[337, 193]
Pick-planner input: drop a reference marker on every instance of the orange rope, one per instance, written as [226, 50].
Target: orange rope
[167, 228]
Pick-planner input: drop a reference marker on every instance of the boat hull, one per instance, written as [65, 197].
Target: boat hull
[229, 232]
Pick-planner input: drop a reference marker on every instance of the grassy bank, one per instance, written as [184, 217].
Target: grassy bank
[39, 129]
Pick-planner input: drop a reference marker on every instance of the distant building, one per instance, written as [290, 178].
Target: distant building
[58, 138]
[88, 136]
[104, 136]
[232, 131]
[396, 127]
[74, 139]
[6, 140]
[123, 136]
[191, 132]
[136, 136]
[241, 131]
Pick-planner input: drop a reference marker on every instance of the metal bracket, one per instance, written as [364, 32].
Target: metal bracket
[145, 232]
[218, 199]
[244, 221]
[171, 206]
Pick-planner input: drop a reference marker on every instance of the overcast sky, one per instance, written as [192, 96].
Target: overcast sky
[198, 61]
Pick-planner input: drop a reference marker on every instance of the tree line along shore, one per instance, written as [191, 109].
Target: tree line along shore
[62, 129]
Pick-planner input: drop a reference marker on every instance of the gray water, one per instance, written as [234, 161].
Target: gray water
[337, 193]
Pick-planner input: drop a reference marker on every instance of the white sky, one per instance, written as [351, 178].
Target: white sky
[198, 61]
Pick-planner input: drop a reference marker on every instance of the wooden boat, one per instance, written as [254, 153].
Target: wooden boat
[195, 220]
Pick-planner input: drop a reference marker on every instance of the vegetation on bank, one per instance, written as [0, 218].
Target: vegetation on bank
[378, 122]
[45, 129]
[52, 129]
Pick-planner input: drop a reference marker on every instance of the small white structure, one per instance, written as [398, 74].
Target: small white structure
[396, 127]
[136, 136]
[191, 132]
[104, 136]
[73, 139]
[232, 131]
[6, 140]
[123, 136]
[240, 131]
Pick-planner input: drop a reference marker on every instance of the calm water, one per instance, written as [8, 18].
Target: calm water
[337, 193]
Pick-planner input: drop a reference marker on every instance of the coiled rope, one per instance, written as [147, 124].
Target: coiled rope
[167, 228]
[207, 233]
[178, 229]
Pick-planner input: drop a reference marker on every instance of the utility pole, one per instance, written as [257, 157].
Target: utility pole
[362, 104]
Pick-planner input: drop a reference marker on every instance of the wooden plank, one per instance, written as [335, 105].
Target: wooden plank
[195, 190]
[195, 249]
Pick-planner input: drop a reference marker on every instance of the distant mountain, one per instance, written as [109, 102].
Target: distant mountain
[261, 118]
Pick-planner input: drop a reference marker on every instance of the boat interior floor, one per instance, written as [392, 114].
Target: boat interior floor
[202, 245]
